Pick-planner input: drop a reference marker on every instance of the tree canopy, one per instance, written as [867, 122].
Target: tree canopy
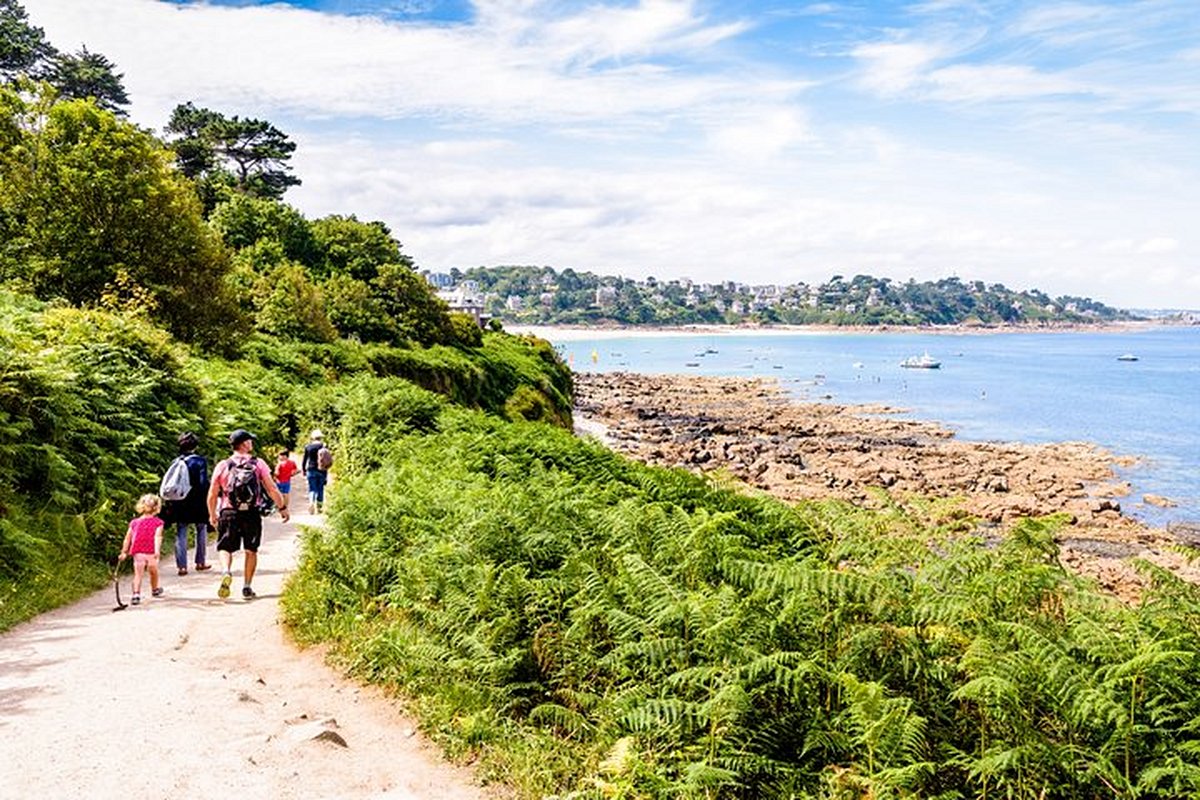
[86, 75]
[91, 205]
[223, 153]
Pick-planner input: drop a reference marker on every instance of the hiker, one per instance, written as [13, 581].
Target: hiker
[316, 463]
[143, 540]
[285, 468]
[234, 502]
[192, 509]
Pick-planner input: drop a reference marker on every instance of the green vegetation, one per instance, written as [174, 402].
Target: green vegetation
[149, 288]
[591, 627]
[541, 295]
[90, 403]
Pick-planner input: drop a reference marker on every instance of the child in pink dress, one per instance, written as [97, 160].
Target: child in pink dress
[143, 541]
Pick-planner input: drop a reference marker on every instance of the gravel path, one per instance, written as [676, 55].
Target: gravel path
[189, 696]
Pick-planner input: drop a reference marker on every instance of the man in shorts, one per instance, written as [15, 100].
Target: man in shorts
[234, 503]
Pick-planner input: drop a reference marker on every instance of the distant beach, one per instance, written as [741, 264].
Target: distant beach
[574, 333]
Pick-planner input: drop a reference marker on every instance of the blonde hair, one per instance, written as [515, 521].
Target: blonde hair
[149, 504]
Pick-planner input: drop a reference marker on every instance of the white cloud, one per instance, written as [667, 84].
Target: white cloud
[762, 136]
[893, 67]
[509, 65]
[979, 83]
[1159, 244]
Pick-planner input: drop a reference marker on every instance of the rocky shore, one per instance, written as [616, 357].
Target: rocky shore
[750, 429]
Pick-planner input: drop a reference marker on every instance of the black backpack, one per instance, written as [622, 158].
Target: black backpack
[243, 490]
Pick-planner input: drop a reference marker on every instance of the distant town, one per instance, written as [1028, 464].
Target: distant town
[545, 296]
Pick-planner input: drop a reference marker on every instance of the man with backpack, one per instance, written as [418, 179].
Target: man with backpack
[236, 500]
[316, 463]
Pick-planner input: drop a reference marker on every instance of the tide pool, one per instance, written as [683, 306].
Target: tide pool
[1028, 387]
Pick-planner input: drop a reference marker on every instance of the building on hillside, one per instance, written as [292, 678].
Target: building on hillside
[606, 296]
[439, 280]
[514, 302]
[464, 302]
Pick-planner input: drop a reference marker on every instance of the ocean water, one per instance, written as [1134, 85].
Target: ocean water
[1027, 387]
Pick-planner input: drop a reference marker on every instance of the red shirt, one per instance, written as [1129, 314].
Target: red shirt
[141, 534]
[285, 471]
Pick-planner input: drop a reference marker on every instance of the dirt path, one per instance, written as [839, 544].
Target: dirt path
[191, 696]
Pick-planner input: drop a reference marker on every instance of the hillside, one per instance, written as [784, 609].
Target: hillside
[542, 295]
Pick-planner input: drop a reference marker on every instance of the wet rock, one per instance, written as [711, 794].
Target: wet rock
[1158, 500]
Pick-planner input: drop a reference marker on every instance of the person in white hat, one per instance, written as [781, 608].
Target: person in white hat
[316, 462]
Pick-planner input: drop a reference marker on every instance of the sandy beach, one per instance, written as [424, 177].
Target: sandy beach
[750, 429]
[572, 333]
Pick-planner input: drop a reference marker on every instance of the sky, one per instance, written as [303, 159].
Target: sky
[1049, 145]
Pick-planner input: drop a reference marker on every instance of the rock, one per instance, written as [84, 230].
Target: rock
[322, 730]
[1102, 504]
[1159, 501]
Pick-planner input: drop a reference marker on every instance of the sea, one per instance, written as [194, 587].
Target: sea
[1026, 387]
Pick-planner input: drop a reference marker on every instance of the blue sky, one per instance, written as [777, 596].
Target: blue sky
[1046, 145]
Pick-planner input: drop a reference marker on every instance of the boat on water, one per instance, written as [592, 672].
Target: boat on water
[1127, 357]
[921, 362]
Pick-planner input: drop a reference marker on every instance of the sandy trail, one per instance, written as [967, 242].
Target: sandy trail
[191, 696]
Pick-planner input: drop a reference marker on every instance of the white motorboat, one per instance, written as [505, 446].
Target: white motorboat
[921, 362]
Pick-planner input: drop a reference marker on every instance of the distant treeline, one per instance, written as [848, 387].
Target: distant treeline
[545, 296]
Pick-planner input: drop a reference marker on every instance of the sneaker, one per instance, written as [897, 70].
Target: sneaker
[156, 592]
[312, 508]
[226, 580]
[202, 567]
[183, 570]
[135, 600]
[248, 593]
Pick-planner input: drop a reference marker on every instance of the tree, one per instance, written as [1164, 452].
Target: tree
[246, 155]
[244, 221]
[348, 246]
[92, 208]
[86, 75]
[409, 300]
[289, 305]
[23, 47]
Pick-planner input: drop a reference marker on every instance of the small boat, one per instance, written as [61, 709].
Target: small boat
[921, 362]
[1127, 357]
[692, 364]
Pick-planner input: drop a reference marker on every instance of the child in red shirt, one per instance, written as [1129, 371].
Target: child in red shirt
[285, 468]
[143, 541]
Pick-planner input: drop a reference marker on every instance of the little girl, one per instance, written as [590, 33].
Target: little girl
[143, 541]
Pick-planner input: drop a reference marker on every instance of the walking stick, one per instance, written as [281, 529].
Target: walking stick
[117, 587]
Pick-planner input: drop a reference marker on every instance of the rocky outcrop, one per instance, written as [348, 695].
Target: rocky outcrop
[865, 454]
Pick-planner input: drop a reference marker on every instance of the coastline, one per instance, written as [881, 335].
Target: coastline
[574, 333]
[748, 428]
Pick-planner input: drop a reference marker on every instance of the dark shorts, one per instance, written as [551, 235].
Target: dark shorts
[239, 530]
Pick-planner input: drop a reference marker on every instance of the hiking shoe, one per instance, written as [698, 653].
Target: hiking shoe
[248, 593]
[135, 600]
[202, 567]
[223, 592]
[183, 570]
[156, 592]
